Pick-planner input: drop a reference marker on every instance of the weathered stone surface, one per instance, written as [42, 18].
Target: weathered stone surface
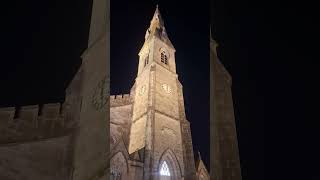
[120, 100]
[47, 159]
[156, 134]
[92, 142]
[225, 163]
[137, 134]
[33, 123]
[121, 114]
[188, 157]
[202, 173]
[166, 102]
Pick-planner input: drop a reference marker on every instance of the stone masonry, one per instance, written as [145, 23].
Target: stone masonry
[149, 127]
[225, 162]
[148, 136]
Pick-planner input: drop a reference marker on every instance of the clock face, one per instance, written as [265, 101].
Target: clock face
[166, 88]
[100, 95]
[142, 90]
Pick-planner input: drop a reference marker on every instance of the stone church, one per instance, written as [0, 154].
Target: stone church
[150, 133]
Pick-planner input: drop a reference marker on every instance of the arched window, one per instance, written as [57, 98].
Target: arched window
[164, 57]
[164, 170]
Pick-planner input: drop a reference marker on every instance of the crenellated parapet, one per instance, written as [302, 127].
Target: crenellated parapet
[120, 100]
[34, 122]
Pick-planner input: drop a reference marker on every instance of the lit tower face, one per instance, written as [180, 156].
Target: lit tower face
[158, 102]
[157, 47]
[157, 70]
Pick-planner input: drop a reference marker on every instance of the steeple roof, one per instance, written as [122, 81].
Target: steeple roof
[157, 19]
[157, 29]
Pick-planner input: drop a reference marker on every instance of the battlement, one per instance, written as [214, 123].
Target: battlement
[120, 100]
[33, 122]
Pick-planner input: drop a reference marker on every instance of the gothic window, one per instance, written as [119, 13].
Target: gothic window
[164, 170]
[164, 57]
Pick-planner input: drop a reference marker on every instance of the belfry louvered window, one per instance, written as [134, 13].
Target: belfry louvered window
[164, 57]
[164, 170]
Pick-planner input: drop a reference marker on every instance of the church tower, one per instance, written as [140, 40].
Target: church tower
[159, 128]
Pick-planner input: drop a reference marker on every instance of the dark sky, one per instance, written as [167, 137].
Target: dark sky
[41, 46]
[268, 47]
[187, 25]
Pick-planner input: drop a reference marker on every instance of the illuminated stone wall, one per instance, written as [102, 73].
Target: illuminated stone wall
[166, 102]
[141, 95]
[47, 159]
[158, 110]
[167, 136]
[35, 122]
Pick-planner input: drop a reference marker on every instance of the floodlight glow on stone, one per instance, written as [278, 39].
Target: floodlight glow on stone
[164, 171]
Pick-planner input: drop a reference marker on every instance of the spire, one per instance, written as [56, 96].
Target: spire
[157, 28]
[157, 19]
[99, 20]
[213, 43]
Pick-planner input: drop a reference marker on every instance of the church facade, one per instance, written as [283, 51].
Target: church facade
[150, 135]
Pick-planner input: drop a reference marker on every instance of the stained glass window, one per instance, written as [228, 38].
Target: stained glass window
[164, 170]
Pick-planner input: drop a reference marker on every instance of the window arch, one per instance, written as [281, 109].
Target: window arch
[164, 170]
[164, 57]
[169, 160]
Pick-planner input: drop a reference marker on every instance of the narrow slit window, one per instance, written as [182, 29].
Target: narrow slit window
[146, 60]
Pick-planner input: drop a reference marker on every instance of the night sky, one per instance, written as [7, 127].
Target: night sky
[41, 46]
[269, 48]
